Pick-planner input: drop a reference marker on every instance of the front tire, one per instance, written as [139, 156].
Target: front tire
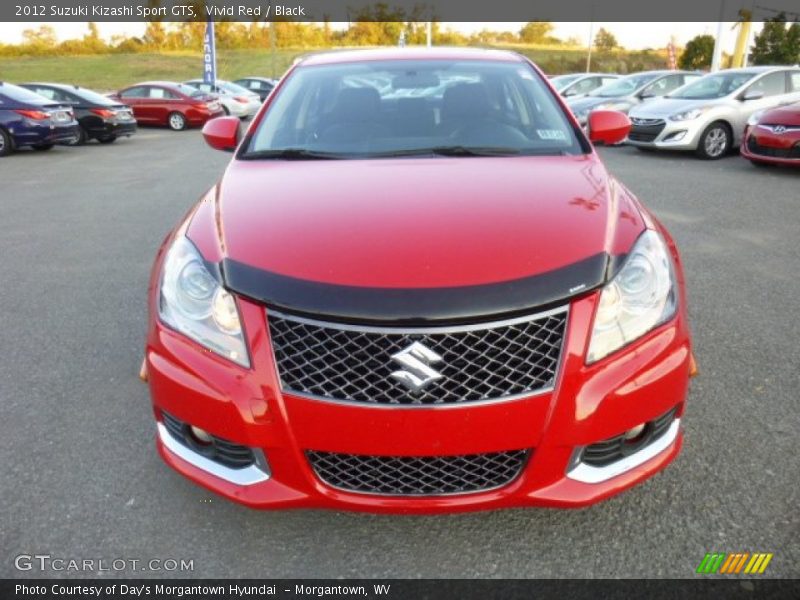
[715, 142]
[176, 121]
[6, 143]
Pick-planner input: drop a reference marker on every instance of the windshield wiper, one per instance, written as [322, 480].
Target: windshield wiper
[450, 151]
[291, 154]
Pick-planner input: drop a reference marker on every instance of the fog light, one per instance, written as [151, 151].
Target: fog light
[633, 433]
[200, 436]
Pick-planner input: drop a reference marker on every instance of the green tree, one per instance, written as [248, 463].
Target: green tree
[777, 44]
[42, 38]
[698, 53]
[536, 32]
[605, 41]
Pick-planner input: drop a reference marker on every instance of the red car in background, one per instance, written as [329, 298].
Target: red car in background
[773, 137]
[175, 105]
[417, 288]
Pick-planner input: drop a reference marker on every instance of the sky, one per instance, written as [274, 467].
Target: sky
[629, 35]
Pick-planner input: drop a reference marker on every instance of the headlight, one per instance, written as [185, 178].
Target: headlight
[640, 297]
[753, 119]
[689, 115]
[193, 303]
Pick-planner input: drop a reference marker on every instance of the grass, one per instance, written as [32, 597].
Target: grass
[107, 72]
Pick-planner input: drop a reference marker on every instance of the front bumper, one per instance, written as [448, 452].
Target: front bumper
[761, 145]
[674, 135]
[588, 404]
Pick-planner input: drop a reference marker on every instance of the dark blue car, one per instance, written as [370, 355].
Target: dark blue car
[28, 119]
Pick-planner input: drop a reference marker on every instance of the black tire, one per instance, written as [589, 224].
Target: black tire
[83, 137]
[715, 142]
[176, 121]
[6, 143]
[108, 139]
[43, 147]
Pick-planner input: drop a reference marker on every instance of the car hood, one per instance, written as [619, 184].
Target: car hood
[589, 102]
[665, 107]
[427, 238]
[785, 115]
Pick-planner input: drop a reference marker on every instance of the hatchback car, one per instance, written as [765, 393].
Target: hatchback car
[28, 119]
[709, 115]
[175, 105]
[629, 91]
[258, 85]
[99, 117]
[416, 288]
[577, 85]
[235, 100]
[773, 137]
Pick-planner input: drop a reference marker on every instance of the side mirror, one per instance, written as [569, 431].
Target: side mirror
[569, 93]
[608, 126]
[647, 94]
[753, 95]
[222, 133]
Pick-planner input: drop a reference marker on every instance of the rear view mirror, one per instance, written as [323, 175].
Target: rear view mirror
[608, 126]
[222, 133]
[415, 80]
[753, 95]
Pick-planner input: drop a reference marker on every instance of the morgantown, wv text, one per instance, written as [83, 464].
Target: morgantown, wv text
[178, 591]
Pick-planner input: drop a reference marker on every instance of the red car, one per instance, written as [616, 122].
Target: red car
[773, 137]
[175, 105]
[416, 288]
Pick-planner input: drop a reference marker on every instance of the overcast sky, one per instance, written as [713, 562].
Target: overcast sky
[630, 35]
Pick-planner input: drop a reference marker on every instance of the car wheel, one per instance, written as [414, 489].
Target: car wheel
[43, 147]
[177, 122]
[6, 144]
[715, 141]
[82, 138]
[108, 139]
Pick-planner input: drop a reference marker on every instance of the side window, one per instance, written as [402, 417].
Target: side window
[134, 92]
[663, 86]
[794, 81]
[606, 80]
[772, 84]
[586, 85]
[203, 87]
[690, 78]
[46, 92]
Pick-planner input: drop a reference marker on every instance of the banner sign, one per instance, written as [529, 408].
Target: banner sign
[209, 55]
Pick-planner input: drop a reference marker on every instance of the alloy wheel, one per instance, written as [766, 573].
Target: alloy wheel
[716, 142]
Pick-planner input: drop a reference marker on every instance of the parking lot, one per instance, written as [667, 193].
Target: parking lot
[81, 477]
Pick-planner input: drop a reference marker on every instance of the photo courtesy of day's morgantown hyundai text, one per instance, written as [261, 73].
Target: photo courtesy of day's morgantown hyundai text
[416, 288]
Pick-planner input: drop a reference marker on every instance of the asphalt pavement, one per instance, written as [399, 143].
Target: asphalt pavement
[80, 477]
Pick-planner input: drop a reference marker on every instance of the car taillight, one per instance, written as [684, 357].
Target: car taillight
[104, 112]
[241, 99]
[36, 115]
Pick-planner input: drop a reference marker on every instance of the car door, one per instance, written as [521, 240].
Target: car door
[160, 102]
[772, 91]
[134, 98]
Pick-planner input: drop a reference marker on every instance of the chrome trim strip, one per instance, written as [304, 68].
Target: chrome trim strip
[412, 330]
[589, 474]
[248, 476]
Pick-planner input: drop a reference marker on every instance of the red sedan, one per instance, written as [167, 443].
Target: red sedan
[773, 137]
[416, 288]
[175, 105]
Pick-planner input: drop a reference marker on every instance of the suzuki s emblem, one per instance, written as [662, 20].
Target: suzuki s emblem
[416, 372]
[778, 129]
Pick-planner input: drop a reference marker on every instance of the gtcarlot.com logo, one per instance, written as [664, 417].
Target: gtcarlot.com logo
[47, 562]
[734, 563]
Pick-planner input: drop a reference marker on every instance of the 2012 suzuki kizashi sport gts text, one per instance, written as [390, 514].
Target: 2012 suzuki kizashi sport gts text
[416, 288]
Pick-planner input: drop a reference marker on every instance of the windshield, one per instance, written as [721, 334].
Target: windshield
[92, 97]
[562, 81]
[624, 86]
[20, 94]
[407, 107]
[713, 86]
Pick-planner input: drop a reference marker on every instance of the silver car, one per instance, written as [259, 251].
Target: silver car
[629, 91]
[577, 85]
[710, 114]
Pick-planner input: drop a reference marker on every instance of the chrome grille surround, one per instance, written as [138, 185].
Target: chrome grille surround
[480, 362]
[418, 475]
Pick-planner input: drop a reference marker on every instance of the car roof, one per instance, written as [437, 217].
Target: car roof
[757, 70]
[409, 53]
[172, 84]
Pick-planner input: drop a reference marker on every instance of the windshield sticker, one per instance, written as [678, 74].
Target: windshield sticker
[552, 134]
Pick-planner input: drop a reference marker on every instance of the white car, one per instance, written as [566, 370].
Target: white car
[236, 100]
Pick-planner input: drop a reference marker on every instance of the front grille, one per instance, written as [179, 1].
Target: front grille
[356, 364]
[756, 148]
[613, 449]
[219, 450]
[418, 475]
[646, 130]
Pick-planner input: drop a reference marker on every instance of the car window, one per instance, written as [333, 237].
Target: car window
[380, 108]
[203, 87]
[134, 92]
[794, 81]
[233, 88]
[664, 85]
[21, 94]
[690, 78]
[82, 94]
[606, 80]
[771, 84]
[624, 86]
[586, 85]
[716, 85]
